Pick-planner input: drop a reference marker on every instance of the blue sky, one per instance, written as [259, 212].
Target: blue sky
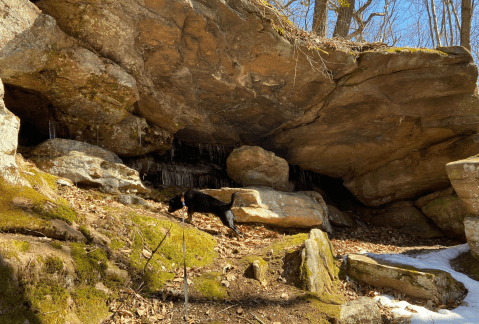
[409, 23]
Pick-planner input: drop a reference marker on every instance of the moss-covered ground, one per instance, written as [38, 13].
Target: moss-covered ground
[25, 207]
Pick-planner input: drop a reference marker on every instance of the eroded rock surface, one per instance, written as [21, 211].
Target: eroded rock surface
[86, 164]
[471, 227]
[419, 283]
[464, 176]
[362, 310]
[9, 127]
[405, 217]
[265, 205]
[446, 210]
[317, 262]
[91, 94]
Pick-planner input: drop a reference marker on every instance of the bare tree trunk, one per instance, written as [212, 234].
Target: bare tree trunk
[466, 16]
[454, 11]
[431, 29]
[444, 24]
[320, 17]
[434, 20]
[344, 20]
[451, 29]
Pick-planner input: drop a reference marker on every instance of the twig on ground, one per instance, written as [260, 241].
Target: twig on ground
[154, 251]
[221, 311]
[244, 318]
[257, 318]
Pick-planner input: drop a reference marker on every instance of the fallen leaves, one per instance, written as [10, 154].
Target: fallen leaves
[167, 305]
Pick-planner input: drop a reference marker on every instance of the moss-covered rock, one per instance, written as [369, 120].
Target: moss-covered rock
[49, 285]
[318, 270]
[31, 206]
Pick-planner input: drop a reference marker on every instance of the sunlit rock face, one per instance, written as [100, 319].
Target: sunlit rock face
[254, 166]
[92, 98]
[9, 127]
[86, 165]
[385, 121]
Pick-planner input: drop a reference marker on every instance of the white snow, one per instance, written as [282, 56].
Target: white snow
[465, 314]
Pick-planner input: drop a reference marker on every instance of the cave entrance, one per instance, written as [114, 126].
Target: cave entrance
[36, 114]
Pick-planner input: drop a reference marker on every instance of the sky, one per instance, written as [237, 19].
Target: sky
[408, 22]
[468, 313]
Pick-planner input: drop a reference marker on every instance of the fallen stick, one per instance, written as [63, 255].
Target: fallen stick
[257, 318]
[221, 311]
[244, 318]
[154, 251]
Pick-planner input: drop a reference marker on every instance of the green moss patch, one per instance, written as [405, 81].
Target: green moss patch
[57, 245]
[49, 297]
[53, 264]
[39, 178]
[12, 300]
[286, 244]
[9, 249]
[415, 50]
[116, 244]
[91, 304]
[148, 232]
[90, 266]
[325, 308]
[209, 286]
[25, 208]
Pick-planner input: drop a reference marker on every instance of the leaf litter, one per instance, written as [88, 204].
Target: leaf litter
[247, 300]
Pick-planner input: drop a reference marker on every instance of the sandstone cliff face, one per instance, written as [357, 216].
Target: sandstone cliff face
[218, 72]
[9, 126]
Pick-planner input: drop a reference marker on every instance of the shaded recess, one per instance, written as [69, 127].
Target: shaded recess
[36, 113]
[185, 165]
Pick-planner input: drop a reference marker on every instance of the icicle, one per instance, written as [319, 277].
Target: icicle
[97, 127]
[52, 129]
[139, 130]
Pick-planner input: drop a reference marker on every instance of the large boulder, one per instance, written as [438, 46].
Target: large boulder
[339, 218]
[426, 284]
[87, 165]
[386, 130]
[254, 166]
[363, 310]
[214, 72]
[446, 210]
[471, 226]
[464, 176]
[405, 217]
[265, 205]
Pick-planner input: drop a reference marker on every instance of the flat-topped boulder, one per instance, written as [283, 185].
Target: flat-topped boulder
[426, 284]
[464, 176]
[267, 206]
